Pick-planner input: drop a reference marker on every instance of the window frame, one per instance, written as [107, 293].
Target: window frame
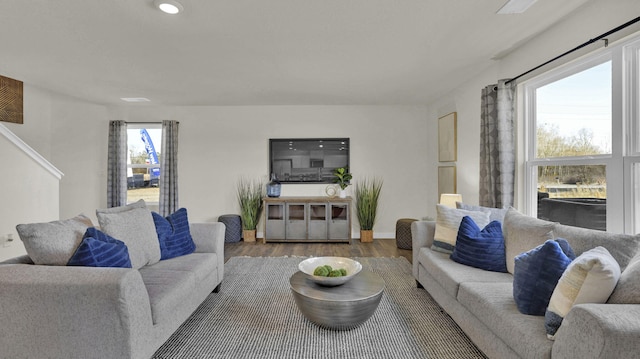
[625, 132]
[147, 126]
[630, 72]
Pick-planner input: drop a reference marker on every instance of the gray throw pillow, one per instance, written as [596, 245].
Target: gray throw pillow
[132, 224]
[621, 246]
[523, 233]
[495, 214]
[53, 243]
[627, 291]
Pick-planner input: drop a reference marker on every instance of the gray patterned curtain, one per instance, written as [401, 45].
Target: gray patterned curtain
[497, 145]
[169, 168]
[117, 164]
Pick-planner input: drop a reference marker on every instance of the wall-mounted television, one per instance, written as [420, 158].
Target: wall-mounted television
[307, 160]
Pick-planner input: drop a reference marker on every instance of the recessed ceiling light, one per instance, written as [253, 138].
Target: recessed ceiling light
[135, 99]
[169, 6]
[515, 6]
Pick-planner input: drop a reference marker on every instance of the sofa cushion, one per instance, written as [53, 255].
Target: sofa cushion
[627, 291]
[495, 214]
[167, 289]
[200, 264]
[480, 248]
[132, 224]
[523, 233]
[536, 274]
[493, 305]
[622, 247]
[447, 223]
[53, 243]
[173, 234]
[590, 278]
[100, 250]
[450, 274]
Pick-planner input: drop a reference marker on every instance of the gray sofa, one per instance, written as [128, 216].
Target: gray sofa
[482, 303]
[85, 312]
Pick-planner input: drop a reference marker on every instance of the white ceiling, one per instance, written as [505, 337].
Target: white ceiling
[261, 52]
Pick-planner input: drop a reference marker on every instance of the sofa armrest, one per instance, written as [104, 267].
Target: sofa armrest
[421, 236]
[599, 331]
[72, 312]
[209, 238]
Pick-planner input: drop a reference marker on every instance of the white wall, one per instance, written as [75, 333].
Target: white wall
[29, 194]
[465, 101]
[588, 22]
[36, 129]
[79, 149]
[69, 134]
[218, 145]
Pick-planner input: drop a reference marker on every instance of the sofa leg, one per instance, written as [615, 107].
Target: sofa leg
[418, 285]
[217, 288]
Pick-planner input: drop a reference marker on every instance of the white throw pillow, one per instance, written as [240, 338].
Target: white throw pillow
[133, 224]
[590, 278]
[447, 224]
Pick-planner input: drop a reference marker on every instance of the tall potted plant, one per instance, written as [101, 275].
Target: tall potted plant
[342, 178]
[367, 197]
[250, 193]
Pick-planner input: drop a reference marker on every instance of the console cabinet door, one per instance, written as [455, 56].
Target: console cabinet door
[296, 226]
[317, 221]
[307, 219]
[339, 221]
[275, 223]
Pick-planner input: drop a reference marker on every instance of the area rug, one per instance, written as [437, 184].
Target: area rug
[255, 316]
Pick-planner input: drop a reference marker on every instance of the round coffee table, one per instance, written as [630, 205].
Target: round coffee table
[341, 308]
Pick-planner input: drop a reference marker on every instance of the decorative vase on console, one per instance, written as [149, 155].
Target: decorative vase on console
[274, 187]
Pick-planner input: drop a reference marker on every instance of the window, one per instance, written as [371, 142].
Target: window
[582, 140]
[143, 163]
[573, 114]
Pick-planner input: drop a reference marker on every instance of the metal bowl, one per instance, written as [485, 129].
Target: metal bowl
[309, 265]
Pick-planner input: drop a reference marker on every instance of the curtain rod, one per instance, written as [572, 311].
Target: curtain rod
[606, 43]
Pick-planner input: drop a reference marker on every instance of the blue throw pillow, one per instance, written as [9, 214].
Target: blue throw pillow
[173, 234]
[536, 275]
[478, 248]
[100, 250]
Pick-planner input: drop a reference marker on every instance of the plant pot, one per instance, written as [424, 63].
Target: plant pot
[366, 235]
[249, 235]
[343, 193]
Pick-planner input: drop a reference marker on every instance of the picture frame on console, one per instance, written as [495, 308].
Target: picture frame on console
[307, 160]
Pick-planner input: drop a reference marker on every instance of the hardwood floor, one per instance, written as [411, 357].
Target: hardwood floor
[378, 248]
